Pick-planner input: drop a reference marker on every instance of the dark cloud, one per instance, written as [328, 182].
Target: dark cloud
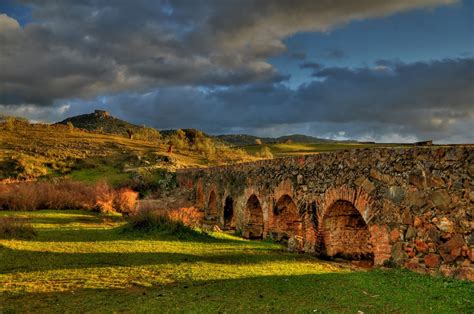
[86, 48]
[311, 65]
[392, 101]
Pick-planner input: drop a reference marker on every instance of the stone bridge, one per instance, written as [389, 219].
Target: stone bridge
[410, 207]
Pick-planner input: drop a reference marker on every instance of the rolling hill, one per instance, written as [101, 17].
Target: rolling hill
[246, 140]
[102, 121]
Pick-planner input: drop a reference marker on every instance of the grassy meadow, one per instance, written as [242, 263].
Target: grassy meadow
[294, 149]
[84, 262]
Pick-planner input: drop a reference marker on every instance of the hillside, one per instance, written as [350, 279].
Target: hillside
[101, 121]
[30, 151]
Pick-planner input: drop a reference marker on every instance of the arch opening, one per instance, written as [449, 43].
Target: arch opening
[345, 234]
[253, 228]
[286, 222]
[211, 211]
[229, 222]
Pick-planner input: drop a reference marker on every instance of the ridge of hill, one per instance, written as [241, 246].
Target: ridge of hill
[246, 139]
[100, 120]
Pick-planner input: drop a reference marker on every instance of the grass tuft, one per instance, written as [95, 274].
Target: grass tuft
[149, 221]
[15, 228]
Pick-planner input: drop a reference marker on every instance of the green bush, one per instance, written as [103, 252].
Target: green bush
[147, 134]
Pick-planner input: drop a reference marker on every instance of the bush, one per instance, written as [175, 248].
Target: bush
[147, 134]
[65, 194]
[181, 222]
[104, 198]
[179, 140]
[125, 201]
[14, 228]
[154, 221]
[190, 216]
[265, 152]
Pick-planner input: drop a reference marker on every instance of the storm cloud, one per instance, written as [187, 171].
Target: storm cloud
[205, 64]
[84, 48]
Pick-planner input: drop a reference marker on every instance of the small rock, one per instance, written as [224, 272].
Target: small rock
[444, 224]
[452, 249]
[299, 179]
[398, 254]
[396, 194]
[440, 198]
[432, 260]
[410, 233]
[421, 246]
[394, 235]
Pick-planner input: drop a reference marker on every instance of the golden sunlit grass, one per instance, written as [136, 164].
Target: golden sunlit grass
[31, 151]
[81, 261]
[294, 149]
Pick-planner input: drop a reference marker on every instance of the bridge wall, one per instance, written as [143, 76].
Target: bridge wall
[410, 207]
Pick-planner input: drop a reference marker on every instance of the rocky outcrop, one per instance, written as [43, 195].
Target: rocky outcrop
[411, 207]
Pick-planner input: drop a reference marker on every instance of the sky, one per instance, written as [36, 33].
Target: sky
[370, 70]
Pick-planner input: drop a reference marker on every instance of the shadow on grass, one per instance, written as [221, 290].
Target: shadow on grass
[14, 261]
[120, 234]
[372, 292]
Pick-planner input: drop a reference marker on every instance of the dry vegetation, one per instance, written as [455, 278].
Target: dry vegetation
[29, 151]
[66, 194]
[16, 228]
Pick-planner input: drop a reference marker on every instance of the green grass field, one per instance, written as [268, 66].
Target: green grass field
[81, 262]
[294, 149]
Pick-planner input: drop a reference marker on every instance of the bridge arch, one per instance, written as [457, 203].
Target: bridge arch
[253, 222]
[344, 233]
[286, 221]
[229, 219]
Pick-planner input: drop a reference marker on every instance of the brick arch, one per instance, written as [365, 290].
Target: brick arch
[358, 198]
[286, 221]
[343, 228]
[253, 218]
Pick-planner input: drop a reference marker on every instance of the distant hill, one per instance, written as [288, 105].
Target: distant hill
[100, 120]
[245, 139]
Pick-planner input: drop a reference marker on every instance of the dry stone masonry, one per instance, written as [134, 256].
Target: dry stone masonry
[409, 207]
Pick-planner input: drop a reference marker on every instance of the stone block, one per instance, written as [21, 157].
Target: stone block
[396, 194]
[440, 198]
[444, 224]
[421, 246]
[432, 260]
[452, 248]
[416, 198]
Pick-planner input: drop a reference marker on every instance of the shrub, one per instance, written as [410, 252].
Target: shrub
[104, 198]
[125, 201]
[156, 221]
[65, 194]
[179, 140]
[265, 152]
[147, 134]
[70, 126]
[14, 228]
[190, 216]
